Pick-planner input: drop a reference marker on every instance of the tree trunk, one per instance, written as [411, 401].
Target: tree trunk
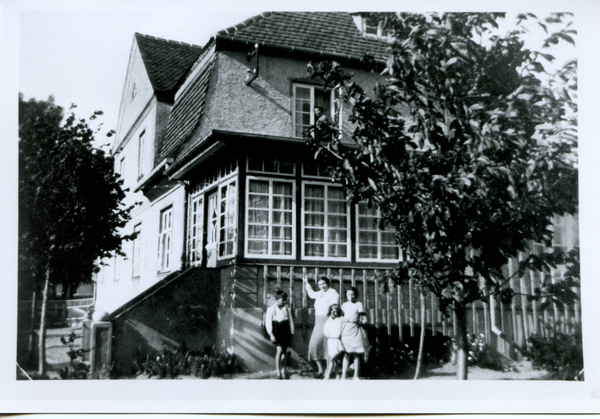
[422, 337]
[462, 342]
[42, 331]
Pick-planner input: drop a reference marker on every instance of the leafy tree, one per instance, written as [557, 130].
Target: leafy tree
[465, 150]
[70, 207]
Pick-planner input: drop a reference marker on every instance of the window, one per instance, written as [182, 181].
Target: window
[270, 166]
[374, 244]
[565, 232]
[306, 99]
[315, 170]
[137, 250]
[195, 230]
[133, 89]
[117, 267]
[325, 222]
[164, 239]
[141, 153]
[270, 218]
[227, 219]
[375, 28]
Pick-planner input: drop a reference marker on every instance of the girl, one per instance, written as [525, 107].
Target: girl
[333, 331]
[324, 298]
[353, 335]
[280, 327]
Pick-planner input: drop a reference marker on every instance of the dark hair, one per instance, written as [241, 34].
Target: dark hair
[279, 294]
[321, 108]
[330, 309]
[352, 289]
[324, 278]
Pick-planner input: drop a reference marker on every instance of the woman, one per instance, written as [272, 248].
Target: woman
[353, 336]
[324, 298]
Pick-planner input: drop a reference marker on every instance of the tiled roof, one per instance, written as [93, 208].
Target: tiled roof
[166, 62]
[329, 32]
[186, 113]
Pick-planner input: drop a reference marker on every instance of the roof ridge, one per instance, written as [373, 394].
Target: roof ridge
[157, 38]
[250, 21]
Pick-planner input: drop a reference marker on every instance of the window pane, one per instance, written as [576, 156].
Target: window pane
[390, 252]
[259, 201]
[303, 92]
[336, 221]
[367, 252]
[316, 220]
[367, 237]
[337, 236]
[314, 235]
[257, 247]
[314, 191]
[258, 217]
[335, 193]
[337, 207]
[337, 250]
[314, 250]
[282, 188]
[312, 205]
[257, 186]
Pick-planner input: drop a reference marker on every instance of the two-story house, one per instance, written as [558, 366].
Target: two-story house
[210, 140]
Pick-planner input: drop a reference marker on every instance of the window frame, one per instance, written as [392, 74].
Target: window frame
[164, 264]
[266, 173]
[382, 33]
[379, 243]
[348, 242]
[226, 182]
[137, 251]
[141, 153]
[199, 230]
[269, 254]
[312, 87]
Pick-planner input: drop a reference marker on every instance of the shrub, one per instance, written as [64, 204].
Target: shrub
[173, 362]
[560, 354]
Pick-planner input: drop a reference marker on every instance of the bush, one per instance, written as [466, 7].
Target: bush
[480, 354]
[560, 354]
[173, 362]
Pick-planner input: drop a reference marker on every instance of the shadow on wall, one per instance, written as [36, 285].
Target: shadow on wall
[182, 312]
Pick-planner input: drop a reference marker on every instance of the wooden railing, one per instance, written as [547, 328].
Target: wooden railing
[59, 313]
[389, 306]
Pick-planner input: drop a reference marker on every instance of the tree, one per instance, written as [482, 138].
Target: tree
[70, 208]
[465, 150]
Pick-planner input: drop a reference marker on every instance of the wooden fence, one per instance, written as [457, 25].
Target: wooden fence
[59, 313]
[390, 306]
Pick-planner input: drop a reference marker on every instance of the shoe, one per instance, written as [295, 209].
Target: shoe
[318, 375]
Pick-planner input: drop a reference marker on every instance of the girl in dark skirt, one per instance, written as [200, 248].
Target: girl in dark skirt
[280, 327]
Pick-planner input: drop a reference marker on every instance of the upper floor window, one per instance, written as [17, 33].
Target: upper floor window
[165, 237]
[374, 244]
[374, 27]
[141, 154]
[306, 99]
[137, 250]
[270, 218]
[325, 222]
[270, 166]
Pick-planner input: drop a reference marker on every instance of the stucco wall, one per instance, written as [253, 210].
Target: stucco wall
[264, 107]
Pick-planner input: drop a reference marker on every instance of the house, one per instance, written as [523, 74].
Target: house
[210, 140]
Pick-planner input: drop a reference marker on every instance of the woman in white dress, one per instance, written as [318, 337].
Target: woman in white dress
[353, 335]
[324, 298]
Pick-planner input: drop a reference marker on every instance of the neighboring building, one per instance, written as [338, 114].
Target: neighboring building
[233, 205]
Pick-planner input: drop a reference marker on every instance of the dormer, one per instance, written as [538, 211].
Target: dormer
[371, 27]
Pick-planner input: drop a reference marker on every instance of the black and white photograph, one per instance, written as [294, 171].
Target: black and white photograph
[347, 208]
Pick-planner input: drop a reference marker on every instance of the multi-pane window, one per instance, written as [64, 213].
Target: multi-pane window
[375, 28]
[325, 229]
[137, 250]
[374, 244]
[270, 218]
[270, 166]
[565, 232]
[306, 99]
[141, 154]
[195, 230]
[165, 237]
[227, 219]
[315, 170]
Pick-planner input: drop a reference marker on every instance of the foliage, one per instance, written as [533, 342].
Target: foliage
[394, 360]
[463, 149]
[70, 206]
[173, 362]
[78, 370]
[561, 354]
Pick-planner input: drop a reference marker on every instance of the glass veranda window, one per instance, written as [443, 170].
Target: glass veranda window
[227, 219]
[195, 230]
[373, 243]
[270, 218]
[325, 222]
[137, 250]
